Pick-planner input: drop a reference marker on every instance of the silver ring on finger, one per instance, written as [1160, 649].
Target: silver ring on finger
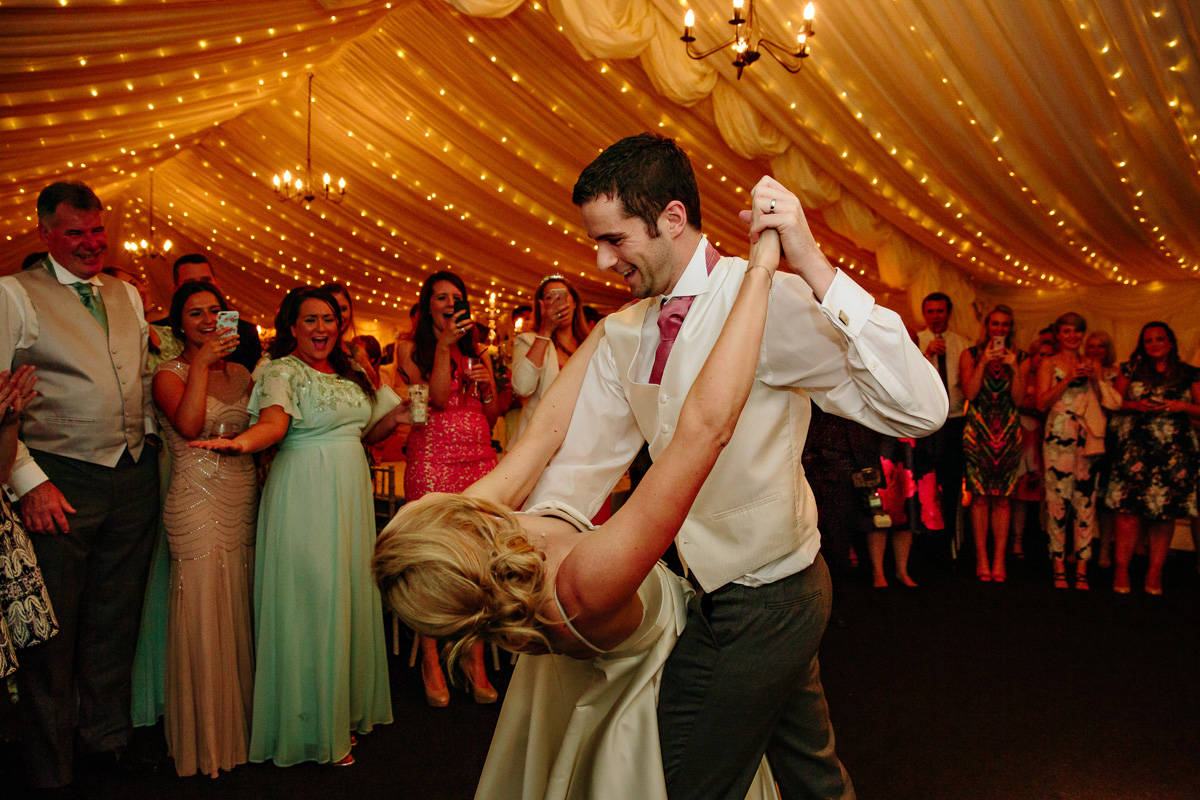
[771, 209]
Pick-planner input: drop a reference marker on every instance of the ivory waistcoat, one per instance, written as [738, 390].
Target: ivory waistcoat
[89, 390]
[756, 505]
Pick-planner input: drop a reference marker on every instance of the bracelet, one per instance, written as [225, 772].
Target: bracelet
[770, 276]
[537, 336]
[487, 399]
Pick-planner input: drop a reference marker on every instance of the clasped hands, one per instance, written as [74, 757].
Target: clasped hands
[16, 392]
[774, 207]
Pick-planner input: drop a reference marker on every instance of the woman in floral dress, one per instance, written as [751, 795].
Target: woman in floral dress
[1154, 471]
[993, 384]
[454, 449]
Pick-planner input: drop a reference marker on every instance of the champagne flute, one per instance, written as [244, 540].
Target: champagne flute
[469, 385]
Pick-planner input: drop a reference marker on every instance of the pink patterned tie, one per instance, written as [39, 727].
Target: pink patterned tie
[670, 320]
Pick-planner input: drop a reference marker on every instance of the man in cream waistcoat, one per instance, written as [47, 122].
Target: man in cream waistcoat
[743, 678]
[87, 482]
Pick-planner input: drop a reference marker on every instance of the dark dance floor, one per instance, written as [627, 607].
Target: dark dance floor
[953, 690]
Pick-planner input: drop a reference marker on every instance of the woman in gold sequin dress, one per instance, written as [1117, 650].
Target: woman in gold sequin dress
[209, 514]
[454, 449]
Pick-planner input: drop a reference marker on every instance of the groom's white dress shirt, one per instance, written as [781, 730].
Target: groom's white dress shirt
[754, 521]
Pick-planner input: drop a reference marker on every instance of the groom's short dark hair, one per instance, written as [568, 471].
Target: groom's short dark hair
[645, 173]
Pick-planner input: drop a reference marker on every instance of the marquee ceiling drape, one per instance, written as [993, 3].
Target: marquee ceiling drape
[1040, 153]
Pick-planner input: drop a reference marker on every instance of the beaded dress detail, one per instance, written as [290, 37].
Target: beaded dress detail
[209, 515]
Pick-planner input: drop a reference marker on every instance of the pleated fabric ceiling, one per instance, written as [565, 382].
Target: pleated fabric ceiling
[1043, 154]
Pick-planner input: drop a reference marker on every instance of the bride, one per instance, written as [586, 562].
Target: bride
[593, 609]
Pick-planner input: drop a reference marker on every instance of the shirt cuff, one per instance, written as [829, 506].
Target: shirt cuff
[847, 305]
[26, 477]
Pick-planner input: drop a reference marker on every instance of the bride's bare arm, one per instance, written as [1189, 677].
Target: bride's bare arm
[514, 477]
[601, 575]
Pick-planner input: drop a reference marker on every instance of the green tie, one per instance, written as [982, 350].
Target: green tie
[93, 302]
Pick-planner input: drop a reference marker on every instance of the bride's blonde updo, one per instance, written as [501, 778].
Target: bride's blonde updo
[461, 569]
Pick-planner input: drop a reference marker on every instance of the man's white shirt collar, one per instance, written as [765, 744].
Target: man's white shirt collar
[694, 280]
[66, 277]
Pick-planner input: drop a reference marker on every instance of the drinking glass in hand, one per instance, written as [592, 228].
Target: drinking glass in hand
[220, 430]
[470, 386]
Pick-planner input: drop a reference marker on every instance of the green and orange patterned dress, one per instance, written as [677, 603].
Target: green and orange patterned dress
[992, 437]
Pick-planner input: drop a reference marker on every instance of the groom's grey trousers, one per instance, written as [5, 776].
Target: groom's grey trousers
[743, 681]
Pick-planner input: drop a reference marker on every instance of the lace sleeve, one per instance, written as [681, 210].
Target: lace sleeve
[279, 384]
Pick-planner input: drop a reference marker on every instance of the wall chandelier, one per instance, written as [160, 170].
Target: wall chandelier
[303, 188]
[141, 248]
[746, 42]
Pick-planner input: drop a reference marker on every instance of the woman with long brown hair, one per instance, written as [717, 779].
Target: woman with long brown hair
[453, 449]
[209, 514]
[321, 657]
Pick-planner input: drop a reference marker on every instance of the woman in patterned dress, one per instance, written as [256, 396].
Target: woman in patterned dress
[1072, 391]
[1154, 470]
[208, 513]
[993, 384]
[454, 449]
[26, 617]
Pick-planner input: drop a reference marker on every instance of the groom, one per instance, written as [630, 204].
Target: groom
[743, 678]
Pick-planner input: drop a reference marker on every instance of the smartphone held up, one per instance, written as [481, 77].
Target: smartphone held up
[227, 323]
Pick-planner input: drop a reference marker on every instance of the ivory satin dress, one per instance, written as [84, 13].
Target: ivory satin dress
[575, 729]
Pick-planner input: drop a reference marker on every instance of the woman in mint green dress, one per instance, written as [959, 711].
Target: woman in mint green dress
[320, 650]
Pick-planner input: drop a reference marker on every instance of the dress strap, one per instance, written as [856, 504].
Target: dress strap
[555, 508]
[571, 628]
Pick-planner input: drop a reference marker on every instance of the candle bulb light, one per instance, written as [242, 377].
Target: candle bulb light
[744, 37]
[303, 187]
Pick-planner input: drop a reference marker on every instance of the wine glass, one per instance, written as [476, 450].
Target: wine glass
[221, 429]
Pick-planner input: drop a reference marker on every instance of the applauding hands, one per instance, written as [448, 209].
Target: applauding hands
[16, 391]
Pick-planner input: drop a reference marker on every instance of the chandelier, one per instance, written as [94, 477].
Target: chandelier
[138, 248]
[746, 43]
[303, 188]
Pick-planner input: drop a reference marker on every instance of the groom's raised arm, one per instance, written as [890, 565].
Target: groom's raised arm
[601, 442]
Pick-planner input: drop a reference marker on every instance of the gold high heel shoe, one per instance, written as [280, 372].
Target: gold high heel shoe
[482, 694]
[438, 698]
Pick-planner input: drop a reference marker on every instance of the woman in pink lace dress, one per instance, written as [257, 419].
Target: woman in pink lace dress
[454, 449]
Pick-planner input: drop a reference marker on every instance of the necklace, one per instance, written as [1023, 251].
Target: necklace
[563, 348]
